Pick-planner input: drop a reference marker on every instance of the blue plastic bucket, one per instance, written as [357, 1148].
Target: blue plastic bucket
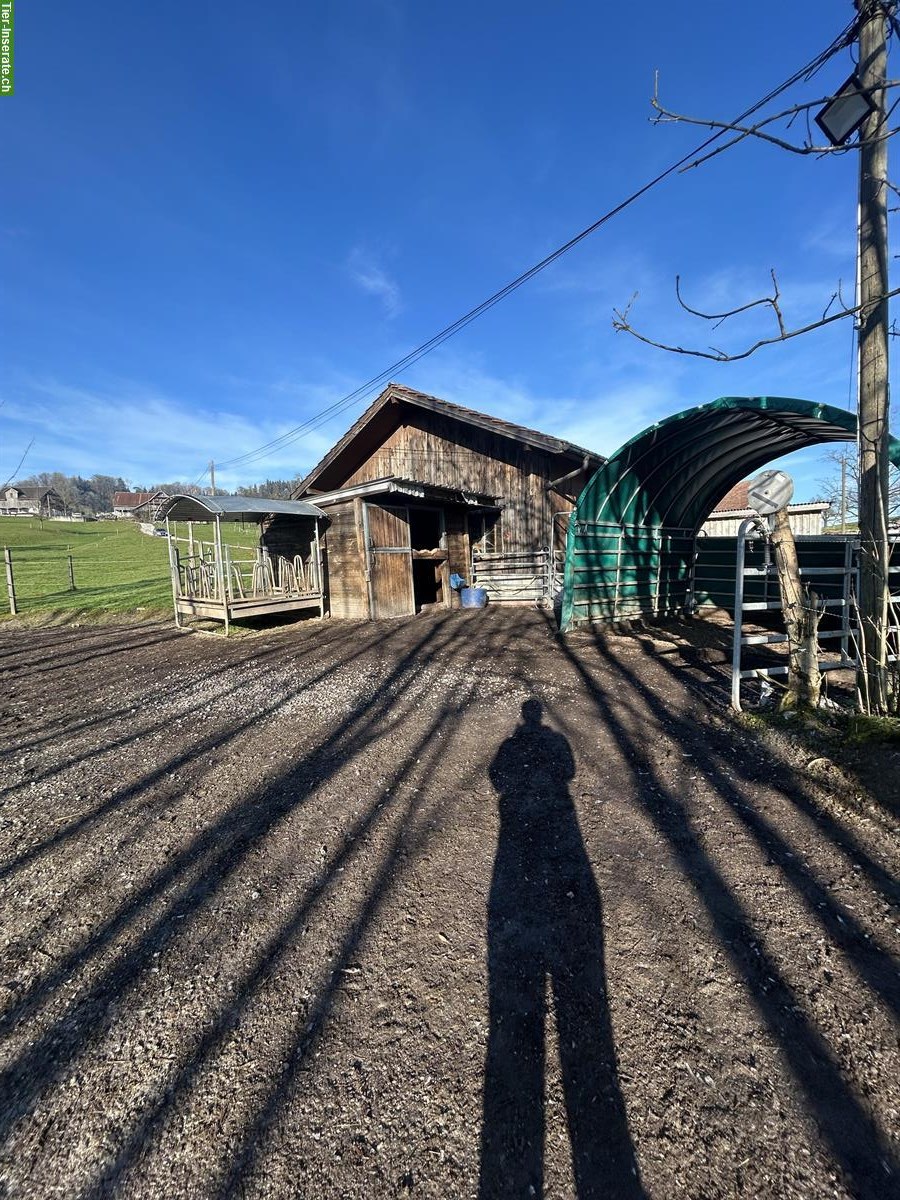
[472, 597]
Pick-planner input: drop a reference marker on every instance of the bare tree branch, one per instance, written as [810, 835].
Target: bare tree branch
[718, 318]
[758, 130]
[622, 324]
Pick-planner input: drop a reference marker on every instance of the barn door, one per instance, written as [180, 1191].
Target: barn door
[390, 561]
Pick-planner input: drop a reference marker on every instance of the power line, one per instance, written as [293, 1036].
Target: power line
[845, 38]
[18, 465]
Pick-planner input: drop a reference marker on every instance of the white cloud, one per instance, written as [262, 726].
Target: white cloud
[147, 437]
[368, 274]
[600, 417]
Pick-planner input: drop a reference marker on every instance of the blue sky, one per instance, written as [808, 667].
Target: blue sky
[218, 219]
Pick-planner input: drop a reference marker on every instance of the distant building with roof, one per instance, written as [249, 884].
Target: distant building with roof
[142, 506]
[31, 500]
[734, 507]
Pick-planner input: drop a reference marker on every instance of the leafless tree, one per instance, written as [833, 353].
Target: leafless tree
[844, 459]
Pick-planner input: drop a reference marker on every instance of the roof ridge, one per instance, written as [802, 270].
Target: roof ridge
[498, 425]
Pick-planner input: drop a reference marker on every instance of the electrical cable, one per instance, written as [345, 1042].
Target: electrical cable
[18, 465]
[806, 72]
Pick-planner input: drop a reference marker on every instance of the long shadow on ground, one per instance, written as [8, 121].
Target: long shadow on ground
[856, 1140]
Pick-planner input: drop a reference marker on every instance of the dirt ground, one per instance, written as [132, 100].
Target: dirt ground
[445, 907]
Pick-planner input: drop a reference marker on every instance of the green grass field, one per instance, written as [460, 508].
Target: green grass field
[118, 569]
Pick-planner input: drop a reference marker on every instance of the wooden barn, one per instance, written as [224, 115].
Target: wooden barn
[420, 489]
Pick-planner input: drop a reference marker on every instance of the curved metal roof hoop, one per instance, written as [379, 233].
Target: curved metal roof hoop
[665, 480]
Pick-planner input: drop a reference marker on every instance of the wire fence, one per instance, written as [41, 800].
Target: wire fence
[36, 581]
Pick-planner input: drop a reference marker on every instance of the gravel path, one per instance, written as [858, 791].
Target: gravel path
[440, 907]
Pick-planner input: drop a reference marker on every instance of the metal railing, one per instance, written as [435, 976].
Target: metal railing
[837, 586]
[519, 577]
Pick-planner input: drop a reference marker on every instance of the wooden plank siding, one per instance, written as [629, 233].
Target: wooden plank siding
[458, 558]
[345, 572]
[390, 561]
[431, 448]
[470, 460]
[288, 536]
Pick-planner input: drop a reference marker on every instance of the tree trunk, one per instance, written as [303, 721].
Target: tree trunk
[801, 620]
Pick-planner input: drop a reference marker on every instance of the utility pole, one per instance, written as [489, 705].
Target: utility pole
[873, 358]
[212, 477]
[843, 493]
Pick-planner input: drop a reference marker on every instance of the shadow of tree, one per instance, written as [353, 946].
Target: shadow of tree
[331, 892]
[856, 1140]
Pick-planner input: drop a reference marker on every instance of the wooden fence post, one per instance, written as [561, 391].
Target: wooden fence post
[71, 574]
[10, 582]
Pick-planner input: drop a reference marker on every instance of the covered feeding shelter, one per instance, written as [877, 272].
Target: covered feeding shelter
[217, 573]
[632, 538]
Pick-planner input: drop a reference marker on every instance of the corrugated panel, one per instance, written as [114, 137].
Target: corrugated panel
[234, 508]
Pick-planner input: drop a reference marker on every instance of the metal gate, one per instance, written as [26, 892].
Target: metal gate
[830, 564]
[523, 577]
[621, 571]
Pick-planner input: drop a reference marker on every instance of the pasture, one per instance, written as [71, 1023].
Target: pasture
[118, 570]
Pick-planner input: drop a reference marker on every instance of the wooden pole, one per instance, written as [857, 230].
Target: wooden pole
[10, 582]
[801, 620]
[873, 359]
[71, 574]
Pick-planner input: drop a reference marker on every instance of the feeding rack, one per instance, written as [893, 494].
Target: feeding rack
[215, 577]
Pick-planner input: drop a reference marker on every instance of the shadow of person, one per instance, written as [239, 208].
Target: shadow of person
[545, 925]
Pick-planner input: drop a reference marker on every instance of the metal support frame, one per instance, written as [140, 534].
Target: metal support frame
[220, 572]
[320, 574]
[210, 582]
[621, 582]
[174, 572]
[846, 661]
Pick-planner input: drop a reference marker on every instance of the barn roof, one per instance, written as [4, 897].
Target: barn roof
[234, 508]
[396, 393]
[737, 499]
[134, 499]
[32, 491]
[414, 488]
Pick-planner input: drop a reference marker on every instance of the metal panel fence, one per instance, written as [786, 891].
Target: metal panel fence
[523, 577]
[829, 566]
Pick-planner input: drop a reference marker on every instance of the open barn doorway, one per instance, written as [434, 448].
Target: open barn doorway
[408, 556]
[429, 557]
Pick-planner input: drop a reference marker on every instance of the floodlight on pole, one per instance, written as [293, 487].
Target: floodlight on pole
[845, 111]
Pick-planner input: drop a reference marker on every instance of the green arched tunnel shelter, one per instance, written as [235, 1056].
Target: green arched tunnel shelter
[631, 538]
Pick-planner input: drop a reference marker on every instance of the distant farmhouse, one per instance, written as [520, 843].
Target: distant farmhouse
[734, 507]
[142, 506]
[19, 500]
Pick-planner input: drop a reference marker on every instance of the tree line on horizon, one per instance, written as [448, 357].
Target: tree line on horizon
[95, 494]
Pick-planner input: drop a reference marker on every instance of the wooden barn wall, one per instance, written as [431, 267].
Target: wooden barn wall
[432, 448]
[348, 594]
[288, 536]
